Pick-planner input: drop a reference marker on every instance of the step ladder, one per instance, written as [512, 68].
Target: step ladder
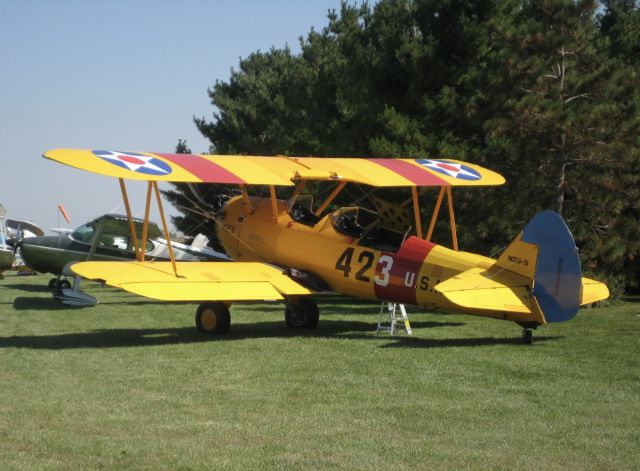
[395, 318]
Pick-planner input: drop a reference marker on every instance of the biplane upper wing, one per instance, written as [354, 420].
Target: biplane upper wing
[196, 281]
[278, 170]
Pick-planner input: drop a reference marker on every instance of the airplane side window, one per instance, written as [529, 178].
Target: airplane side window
[113, 241]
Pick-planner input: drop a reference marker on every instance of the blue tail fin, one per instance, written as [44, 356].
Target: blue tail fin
[557, 282]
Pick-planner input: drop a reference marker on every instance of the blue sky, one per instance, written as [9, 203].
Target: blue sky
[125, 75]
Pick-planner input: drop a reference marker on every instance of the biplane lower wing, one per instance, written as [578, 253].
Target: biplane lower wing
[196, 281]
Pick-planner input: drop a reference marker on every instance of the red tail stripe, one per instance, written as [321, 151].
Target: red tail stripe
[406, 262]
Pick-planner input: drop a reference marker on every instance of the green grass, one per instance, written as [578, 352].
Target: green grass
[131, 384]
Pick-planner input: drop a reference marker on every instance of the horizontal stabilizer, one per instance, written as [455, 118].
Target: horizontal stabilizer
[197, 281]
[494, 289]
[593, 291]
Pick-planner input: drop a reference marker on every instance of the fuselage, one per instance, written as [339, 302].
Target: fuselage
[364, 265]
[106, 238]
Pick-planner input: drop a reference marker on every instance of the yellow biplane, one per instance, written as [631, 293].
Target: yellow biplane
[290, 249]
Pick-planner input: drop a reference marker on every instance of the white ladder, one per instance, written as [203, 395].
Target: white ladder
[394, 318]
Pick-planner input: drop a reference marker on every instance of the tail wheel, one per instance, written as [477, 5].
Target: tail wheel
[302, 313]
[213, 318]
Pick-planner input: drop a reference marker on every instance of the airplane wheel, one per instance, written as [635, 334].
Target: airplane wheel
[64, 284]
[213, 318]
[527, 336]
[53, 283]
[302, 314]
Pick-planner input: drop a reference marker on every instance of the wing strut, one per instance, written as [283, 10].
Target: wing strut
[416, 211]
[330, 198]
[139, 250]
[274, 203]
[145, 227]
[454, 235]
[434, 217]
[132, 227]
[164, 227]
[436, 211]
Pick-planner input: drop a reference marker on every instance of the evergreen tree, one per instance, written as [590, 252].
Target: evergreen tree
[546, 93]
[569, 139]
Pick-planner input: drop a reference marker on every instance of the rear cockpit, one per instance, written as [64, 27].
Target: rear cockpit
[353, 221]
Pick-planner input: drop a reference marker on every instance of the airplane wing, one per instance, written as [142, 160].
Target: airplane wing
[280, 170]
[197, 281]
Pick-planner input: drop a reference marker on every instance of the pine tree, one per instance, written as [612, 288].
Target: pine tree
[569, 138]
[546, 93]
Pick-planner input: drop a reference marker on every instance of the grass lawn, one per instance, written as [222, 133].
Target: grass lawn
[131, 384]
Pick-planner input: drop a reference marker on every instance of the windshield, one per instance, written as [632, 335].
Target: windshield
[84, 233]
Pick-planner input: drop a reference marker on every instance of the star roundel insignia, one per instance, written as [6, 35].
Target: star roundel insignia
[451, 169]
[135, 162]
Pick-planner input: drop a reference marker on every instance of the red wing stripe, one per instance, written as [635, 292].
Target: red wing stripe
[204, 169]
[418, 176]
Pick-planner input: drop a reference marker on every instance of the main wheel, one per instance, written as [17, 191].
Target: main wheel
[527, 336]
[53, 283]
[64, 284]
[213, 318]
[302, 313]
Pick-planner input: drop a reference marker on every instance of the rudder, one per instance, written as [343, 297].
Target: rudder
[557, 284]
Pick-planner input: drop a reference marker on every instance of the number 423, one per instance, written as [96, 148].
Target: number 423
[365, 260]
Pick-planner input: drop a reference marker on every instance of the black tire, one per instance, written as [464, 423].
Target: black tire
[53, 283]
[527, 336]
[302, 314]
[213, 318]
[64, 284]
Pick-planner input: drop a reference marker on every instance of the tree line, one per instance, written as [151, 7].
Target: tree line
[545, 92]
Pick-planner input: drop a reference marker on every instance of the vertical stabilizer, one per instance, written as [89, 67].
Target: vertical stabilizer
[558, 278]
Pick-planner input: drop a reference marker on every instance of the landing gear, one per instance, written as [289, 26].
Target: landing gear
[527, 336]
[64, 284]
[301, 313]
[57, 284]
[213, 318]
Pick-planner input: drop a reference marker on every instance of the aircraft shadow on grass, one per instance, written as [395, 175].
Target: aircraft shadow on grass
[28, 287]
[22, 303]
[412, 342]
[329, 329]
